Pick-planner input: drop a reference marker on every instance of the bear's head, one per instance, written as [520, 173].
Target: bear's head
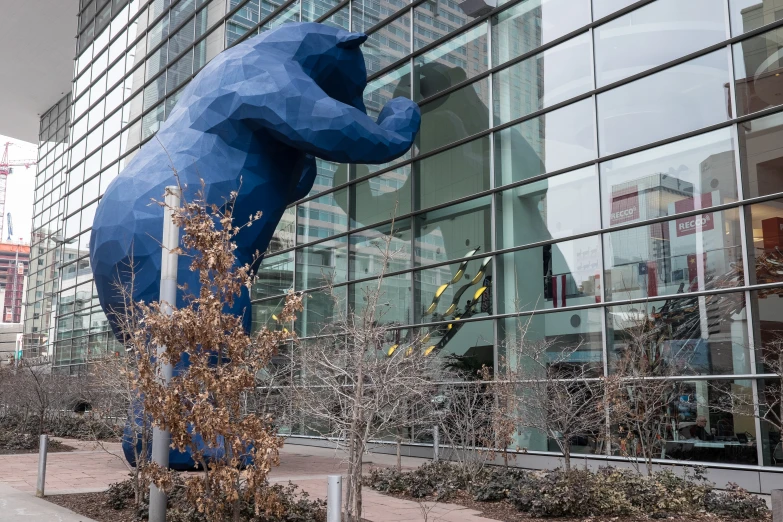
[330, 56]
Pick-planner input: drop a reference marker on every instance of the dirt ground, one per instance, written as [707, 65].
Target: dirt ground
[94, 506]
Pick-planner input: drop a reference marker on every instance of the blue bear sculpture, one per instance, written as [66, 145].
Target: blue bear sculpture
[259, 112]
[252, 121]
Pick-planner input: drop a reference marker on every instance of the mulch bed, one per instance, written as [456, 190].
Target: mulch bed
[53, 447]
[94, 505]
[506, 512]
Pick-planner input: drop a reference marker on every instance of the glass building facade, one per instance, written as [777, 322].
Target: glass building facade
[580, 162]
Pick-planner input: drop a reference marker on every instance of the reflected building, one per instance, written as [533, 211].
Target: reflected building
[573, 170]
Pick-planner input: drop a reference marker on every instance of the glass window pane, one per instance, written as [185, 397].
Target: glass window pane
[321, 308]
[655, 34]
[434, 20]
[322, 217]
[757, 68]
[551, 276]
[453, 62]
[394, 301]
[541, 81]
[387, 44]
[465, 347]
[339, 19]
[576, 332]
[327, 176]
[769, 404]
[602, 8]
[319, 264]
[747, 15]
[689, 254]
[674, 101]
[275, 276]
[702, 335]
[550, 142]
[369, 248]
[454, 116]
[767, 326]
[530, 24]
[665, 180]
[452, 174]
[242, 21]
[544, 210]
[761, 155]
[283, 236]
[455, 291]
[453, 232]
[766, 249]
[381, 198]
[312, 10]
[289, 14]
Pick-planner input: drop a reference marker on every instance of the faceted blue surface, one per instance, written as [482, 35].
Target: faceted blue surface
[252, 121]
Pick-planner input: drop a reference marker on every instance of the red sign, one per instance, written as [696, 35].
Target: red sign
[625, 206]
[689, 225]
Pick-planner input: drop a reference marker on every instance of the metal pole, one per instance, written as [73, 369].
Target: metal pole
[334, 498]
[435, 443]
[161, 439]
[39, 487]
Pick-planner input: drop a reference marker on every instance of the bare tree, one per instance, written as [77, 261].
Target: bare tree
[642, 390]
[464, 417]
[541, 385]
[358, 381]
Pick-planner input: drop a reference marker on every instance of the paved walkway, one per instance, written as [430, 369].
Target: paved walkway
[18, 506]
[92, 468]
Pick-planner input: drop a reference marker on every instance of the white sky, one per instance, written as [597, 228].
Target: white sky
[20, 190]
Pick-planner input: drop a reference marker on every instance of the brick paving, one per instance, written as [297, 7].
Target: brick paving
[91, 469]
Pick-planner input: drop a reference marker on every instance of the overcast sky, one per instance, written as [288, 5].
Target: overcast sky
[20, 189]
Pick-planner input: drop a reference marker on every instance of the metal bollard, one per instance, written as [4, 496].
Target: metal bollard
[39, 487]
[334, 499]
[777, 505]
[435, 443]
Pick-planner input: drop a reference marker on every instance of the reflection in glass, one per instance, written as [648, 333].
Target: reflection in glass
[747, 15]
[757, 68]
[761, 155]
[283, 236]
[665, 180]
[548, 78]
[577, 331]
[321, 217]
[325, 177]
[704, 335]
[275, 276]
[386, 45]
[452, 174]
[551, 276]
[318, 265]
[456, 291]
[265, 314]
[680, 99]
[530, 24]
[394, 306]
[435, 19]
[321, 308]
[602, 8]
[462, 57]
[369, 249]
[457, 115]
[544, 210]
[767, 327]
[550, 142]
[769, 408]
[381, 198]
[452, 232]
[766, 245]
[312, 10]
[655, 34]
[689, 254]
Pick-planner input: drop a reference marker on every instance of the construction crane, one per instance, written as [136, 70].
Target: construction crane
[6, 169]
[10, 227]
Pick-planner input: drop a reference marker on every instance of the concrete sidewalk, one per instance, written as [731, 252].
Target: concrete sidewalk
[18, 506]
[91, 469]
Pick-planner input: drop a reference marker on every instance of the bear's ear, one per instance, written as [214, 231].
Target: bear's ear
[351, 40]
